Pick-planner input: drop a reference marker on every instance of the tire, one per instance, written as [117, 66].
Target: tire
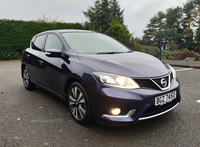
[26, 80]
[79, 104]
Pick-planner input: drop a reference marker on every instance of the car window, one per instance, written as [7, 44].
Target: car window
[38, 43]
[53, 42]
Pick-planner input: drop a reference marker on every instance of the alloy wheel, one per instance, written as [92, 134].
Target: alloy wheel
[25, 78]
[77, 103]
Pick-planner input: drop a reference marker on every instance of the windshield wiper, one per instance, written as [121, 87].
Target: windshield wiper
[130, 51]
[110, 53]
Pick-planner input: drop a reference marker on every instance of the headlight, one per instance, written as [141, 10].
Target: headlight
[115, 80]
[173, 71]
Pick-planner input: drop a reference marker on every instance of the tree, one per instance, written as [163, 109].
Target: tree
[138, 41]
[173, 27]
[116, 11]
[119, 32]
[94, 15]
[194, 27]
[154, 28]
[102, 14]
[172, 45]
[173, 22]
[188, 10]
[107, 17]
[181, 25]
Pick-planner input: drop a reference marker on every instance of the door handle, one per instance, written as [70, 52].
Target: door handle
[41, 62]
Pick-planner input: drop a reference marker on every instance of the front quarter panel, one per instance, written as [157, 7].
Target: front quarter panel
[78, 70]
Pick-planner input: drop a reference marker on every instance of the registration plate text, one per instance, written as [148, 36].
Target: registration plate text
[164, 99]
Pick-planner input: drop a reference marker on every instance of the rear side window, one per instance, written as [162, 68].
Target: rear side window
[38, 43]
[53, 42]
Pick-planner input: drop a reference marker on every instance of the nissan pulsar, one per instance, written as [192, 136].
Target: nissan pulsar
[99, 78]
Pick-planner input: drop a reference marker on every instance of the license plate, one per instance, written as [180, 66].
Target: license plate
[164, 99]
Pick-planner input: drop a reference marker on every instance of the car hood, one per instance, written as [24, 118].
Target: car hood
[134, 64]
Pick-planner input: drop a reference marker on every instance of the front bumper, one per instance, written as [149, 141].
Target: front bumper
[137, 104]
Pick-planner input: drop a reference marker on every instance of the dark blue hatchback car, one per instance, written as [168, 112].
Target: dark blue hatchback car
[99, 77]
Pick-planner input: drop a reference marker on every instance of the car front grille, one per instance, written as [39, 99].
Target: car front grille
[155, 83]
[146, 84]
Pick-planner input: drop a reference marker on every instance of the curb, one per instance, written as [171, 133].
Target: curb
[187, 66]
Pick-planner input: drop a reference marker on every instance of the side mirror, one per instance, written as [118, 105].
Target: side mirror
[53, 53]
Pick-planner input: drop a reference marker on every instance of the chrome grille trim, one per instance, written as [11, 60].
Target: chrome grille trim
[168, 82]
[139, 81]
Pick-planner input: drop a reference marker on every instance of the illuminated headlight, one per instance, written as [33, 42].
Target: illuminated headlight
[115, 80]
[173, 71]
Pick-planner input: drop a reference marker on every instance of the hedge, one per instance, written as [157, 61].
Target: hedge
[15, 35]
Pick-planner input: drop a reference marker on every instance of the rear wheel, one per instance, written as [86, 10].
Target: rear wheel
[26, 80]
[79, 104]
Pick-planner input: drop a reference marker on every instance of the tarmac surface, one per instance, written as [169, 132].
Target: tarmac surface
[39, 119]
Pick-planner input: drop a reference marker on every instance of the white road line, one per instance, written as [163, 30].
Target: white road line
[184, 69]
[198, 101]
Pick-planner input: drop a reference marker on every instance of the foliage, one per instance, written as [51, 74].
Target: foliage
[138, 41]
[139, 47]
[167, 53]
[173, 45]
[116, 12]
[188, 54]
[46, 19]
[180, 25]
[185, 50]
[16, 35]
[102, 14]
[197, 57]
[154, 51]
[9, 54]
[106, 17]
[119, 32]
[154, 28]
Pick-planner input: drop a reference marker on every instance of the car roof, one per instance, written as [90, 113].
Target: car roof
[66, 31]
[70, 31]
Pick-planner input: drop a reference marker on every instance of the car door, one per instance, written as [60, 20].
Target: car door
[34, 59]
[53, 76]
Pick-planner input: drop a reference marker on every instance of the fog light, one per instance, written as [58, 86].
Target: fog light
[116, 111]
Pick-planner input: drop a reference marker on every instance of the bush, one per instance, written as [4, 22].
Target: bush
[170, 57]
[8, 55]
[188, 54]
[167, 53]
[197, 57]
[138, 47]
[185, 50]
[177, 55]
[154, 51]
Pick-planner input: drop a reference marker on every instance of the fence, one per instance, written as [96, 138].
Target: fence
[173, 42]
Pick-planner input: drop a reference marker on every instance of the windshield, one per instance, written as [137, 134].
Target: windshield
[93, 43]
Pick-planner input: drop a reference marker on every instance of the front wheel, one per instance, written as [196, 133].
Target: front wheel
[79, 104]
[26, 80]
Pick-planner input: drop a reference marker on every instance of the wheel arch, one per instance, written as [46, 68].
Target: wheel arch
[74, 78]
[22, 67]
